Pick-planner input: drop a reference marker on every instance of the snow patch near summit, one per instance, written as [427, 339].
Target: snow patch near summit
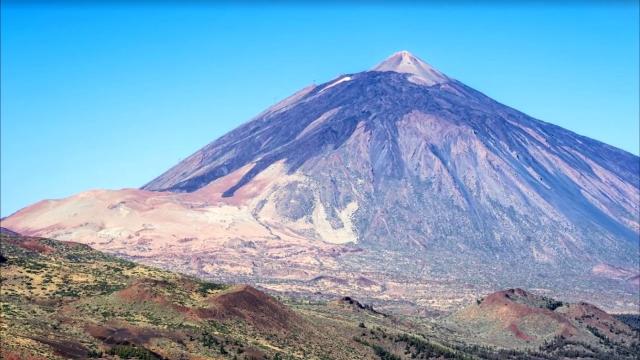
[341, 80]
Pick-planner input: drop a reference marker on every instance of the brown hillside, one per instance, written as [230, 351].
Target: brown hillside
[516, 317]
[254, 307]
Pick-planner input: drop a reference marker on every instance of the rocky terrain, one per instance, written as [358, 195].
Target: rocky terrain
[515, 316]
[62, 300]
[401, 184]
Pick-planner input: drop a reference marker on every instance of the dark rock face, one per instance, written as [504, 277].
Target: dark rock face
[440, 172]
[358, 306]
[5, 231]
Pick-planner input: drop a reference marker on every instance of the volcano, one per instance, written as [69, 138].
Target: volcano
[399, 183]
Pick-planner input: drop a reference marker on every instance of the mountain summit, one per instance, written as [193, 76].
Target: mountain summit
[406, 63]
[456, 192]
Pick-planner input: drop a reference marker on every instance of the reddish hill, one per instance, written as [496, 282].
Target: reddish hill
[515, 317]
[240, 302]
[254, 307]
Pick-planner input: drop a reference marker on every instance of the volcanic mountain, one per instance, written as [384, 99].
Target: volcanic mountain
[399, 183]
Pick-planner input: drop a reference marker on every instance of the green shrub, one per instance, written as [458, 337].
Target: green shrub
[132, 352]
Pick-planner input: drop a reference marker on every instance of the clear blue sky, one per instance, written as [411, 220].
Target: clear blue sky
[110, 96]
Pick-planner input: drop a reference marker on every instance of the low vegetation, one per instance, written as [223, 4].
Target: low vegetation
[65, 300]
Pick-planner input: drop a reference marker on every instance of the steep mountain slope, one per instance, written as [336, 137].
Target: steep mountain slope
[403, 163]
[450, 164]
[65, 300]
